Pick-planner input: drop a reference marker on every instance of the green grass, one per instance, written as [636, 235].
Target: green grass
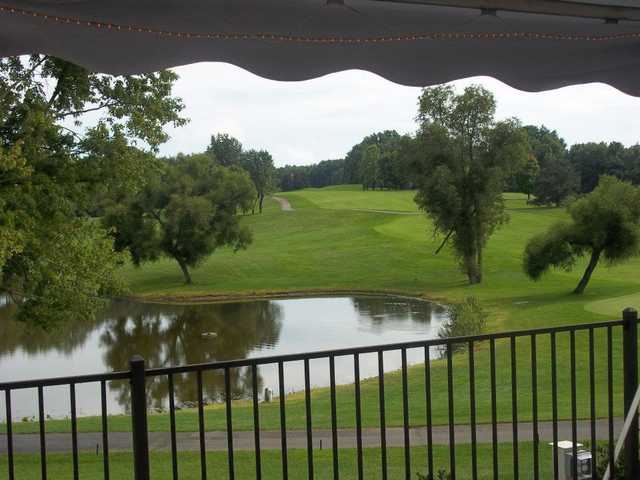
[325, 245]
[90, 464]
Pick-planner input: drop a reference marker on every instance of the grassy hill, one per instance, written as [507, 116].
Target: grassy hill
[344, 238]
[338, 239]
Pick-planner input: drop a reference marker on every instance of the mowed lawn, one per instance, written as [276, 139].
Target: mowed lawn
[334, 241]
[90, 465]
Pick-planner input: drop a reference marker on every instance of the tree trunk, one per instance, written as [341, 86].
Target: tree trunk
[595, 256]
[471, 268]
[185, 271]
[261, 201]
[479, 256]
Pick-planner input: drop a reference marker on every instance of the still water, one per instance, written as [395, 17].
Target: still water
[167, 335]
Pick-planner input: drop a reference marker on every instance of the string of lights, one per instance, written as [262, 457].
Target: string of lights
[338, 40]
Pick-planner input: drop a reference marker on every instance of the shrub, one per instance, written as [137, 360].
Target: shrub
[466, 318]
[602, 461]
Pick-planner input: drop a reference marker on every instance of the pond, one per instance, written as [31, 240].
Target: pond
[167, 335]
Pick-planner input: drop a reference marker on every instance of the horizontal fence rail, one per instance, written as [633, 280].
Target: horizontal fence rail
[487, 406]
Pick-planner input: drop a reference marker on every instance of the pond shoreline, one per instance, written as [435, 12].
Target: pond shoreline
[205, 298]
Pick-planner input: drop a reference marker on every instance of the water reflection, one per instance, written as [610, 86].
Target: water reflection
[21, 337]
[167, 335]
[378, 312]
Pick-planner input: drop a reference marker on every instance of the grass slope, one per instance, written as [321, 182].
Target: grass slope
[90, 464]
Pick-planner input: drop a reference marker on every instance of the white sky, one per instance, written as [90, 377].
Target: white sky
[305, 122]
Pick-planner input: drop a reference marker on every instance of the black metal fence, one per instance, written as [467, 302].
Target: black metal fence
[451, 354]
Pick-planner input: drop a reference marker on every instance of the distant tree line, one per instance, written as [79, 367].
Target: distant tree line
[323, 174]
[554, 172]
[551, 174]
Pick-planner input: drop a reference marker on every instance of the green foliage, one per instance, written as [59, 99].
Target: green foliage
[526, 177]
[225, 149]
[602, 462]
[555, 179]
[53, 255]
[592, 160]
[370, 166]
[76, 270]
[391, 171]
[321, 174]
[188, 211]
[547, 249]
[259, 165]
[466, 158]
[467, 318]
[605, 222]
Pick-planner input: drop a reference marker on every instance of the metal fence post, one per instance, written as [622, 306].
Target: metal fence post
[139, 419]
[630, 352]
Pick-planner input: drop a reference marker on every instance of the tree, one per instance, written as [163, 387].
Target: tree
[186, 213]
[466, 158]
[225, 149]
[605, 222]
[322, 174]
[631, 161]
[526, 177]
[54, 258]
[370, 166]
[555, 182]
[591, 160]
[555, 179]
[467, 318]
[293, 177]
[325, 173]
[259, 165]
[387, 142]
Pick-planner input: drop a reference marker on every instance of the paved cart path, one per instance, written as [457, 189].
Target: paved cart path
[270, 440]
[285, 205]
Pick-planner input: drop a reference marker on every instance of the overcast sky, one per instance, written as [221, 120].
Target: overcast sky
[305, 122]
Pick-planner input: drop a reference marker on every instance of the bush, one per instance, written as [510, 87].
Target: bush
[602, 461]
[466, 318]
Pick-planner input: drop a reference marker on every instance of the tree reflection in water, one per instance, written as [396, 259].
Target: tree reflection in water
[169, 335]
[16, 335]
[379, 311]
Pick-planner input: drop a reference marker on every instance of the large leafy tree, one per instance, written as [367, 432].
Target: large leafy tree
[225, 149]
[604, 223]
[465, 158]
[555, 179]
[55, 260]
[259, 165]
[185, 213]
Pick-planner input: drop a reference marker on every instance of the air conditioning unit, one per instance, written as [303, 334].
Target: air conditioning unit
[565, 461]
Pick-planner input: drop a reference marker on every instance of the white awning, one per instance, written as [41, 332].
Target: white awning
[529, 44]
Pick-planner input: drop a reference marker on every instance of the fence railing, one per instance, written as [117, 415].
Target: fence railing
[534, 359]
